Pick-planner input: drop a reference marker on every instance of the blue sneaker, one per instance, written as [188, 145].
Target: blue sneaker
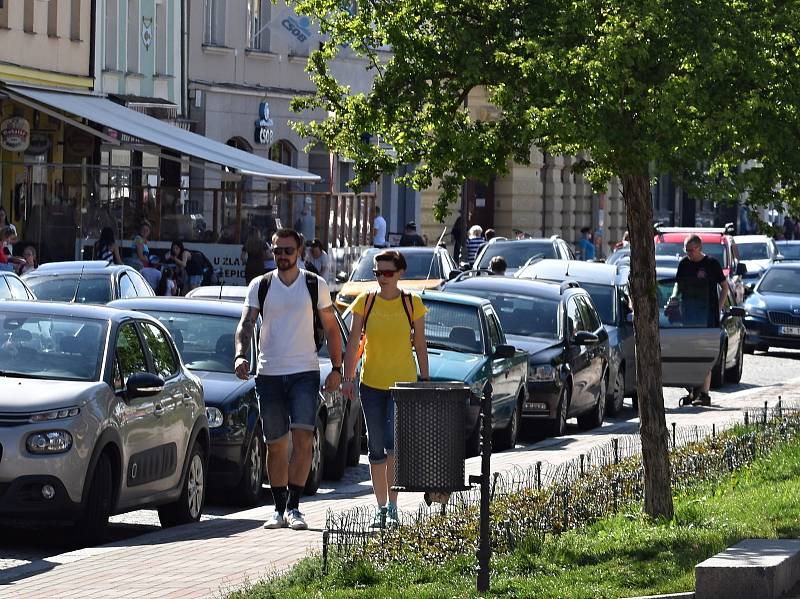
[392, 518]
[380, 518]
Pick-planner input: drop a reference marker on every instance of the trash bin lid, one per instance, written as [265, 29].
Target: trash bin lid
[443, 385]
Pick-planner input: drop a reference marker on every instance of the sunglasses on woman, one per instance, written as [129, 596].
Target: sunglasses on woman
[286, 251]
[384, 273]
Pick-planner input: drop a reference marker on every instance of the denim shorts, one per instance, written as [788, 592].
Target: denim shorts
[288, 401]
[378, 408]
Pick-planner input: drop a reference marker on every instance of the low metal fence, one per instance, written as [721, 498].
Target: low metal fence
[549, 499]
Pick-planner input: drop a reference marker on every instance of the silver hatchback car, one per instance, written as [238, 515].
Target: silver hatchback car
[98, 416]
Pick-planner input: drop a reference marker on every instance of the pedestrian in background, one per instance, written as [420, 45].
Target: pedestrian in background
[306, 223]
[788, 228]
[287, 380]
[152, 271]
[390, 321]
[7, 260]
[379, 229]
[140, 245]
[167, 284]
[320, 260]
[31, 263]
[410, 236]
[457, 235]
[474, 242]
[254, 255]
[106, 248]
[498, 265]
[178, 260]
[4, 221]
[586, 244]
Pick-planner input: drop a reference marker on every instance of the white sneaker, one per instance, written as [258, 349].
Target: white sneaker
[277, 520]
[296, 520]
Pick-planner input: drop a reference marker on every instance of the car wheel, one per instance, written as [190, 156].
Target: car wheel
[594, 418]
[334, 469]
[189, 506]
[615, 400]
[734, 374]
[507, 437]
[317, 459]
[718, 371]
[91, 527]
[558, 426]
[354, 448]
[250, 487]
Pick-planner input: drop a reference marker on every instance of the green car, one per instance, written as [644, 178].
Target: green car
[466, 343]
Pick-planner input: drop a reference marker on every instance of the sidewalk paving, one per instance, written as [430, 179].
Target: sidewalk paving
[208, 558]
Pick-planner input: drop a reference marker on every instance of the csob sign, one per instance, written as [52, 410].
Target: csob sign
[15, 134]
[298, 27]
[264, 134]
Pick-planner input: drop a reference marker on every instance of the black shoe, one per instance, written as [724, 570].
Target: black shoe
[704, 399]
[686, 400]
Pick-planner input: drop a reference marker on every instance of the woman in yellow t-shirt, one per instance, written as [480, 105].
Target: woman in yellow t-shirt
[388, 359]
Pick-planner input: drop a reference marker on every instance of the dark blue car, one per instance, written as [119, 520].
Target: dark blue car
[773, 309]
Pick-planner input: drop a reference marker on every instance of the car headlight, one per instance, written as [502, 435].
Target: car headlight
[542, 372]
[49, 442]
[756, 310]
[55, 414]
[215, 417]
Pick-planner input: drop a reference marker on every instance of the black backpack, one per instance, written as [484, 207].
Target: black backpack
[313, 291]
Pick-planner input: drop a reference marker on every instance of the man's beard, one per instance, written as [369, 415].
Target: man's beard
[285, 264]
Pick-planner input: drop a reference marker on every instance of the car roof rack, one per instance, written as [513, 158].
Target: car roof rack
[475, 272]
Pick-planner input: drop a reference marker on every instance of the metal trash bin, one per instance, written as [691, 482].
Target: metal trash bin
[429, 436]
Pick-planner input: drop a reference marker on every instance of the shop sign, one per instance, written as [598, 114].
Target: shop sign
[40, 143]
[298, 27]
[15, 134]
[80, 143]
[264, 133]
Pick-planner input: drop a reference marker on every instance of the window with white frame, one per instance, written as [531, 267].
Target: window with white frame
[134, 20]
[52, 18]
[161, 38]
[258, 16]
[214, 26]
[111, 20]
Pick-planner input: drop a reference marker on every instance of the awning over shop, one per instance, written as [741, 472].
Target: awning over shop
[157, 132]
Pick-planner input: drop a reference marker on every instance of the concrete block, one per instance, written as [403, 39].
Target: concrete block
[760, 568]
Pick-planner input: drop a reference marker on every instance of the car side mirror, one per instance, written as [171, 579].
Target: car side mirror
[749, 289]
[504, 351]
[143, 384]
[741, 269]
[737, 311]
[779, 258]
[341, 277]
[453, 274]
[585, 338]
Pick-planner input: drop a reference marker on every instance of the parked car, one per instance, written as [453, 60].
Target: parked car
[773, 309]
[428, 268]
[691, 342]
[620, 256]
[98, 416]
[717, 243]
[789, 250]
[558, 325]
[466, 343]
[86, 282]
[518, 252]
[234, 293]
[204, 333]
[607, 285]
[12, 287]
[757, 253]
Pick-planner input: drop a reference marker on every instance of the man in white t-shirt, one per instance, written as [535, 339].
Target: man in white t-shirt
[287, 378]
[379, 230]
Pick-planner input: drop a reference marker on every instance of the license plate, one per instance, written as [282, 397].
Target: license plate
[790, 330]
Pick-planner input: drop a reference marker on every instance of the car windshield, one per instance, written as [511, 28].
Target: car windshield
[715, 250]
[516, 254]
[419, 263]
[523, 315]
[753, 251]
[453, 326]
[205, 341]
[789, 251]
[61, 288]
[780, 280]
[51, 347]
[605, 300]
[691, 306]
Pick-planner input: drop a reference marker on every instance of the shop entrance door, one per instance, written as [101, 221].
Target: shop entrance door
[480, 203]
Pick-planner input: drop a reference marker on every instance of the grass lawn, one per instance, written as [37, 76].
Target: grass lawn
[616, 557]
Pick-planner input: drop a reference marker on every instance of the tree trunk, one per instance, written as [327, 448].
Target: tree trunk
[653, 425]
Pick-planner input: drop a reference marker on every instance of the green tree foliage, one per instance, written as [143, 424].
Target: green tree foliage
[697, 88]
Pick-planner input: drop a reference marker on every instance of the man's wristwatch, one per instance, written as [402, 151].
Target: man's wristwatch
[236, 357]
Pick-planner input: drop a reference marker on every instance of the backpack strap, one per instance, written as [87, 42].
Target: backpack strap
[312, 283]
[408, 307]
[368, 303]
[263, 289]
